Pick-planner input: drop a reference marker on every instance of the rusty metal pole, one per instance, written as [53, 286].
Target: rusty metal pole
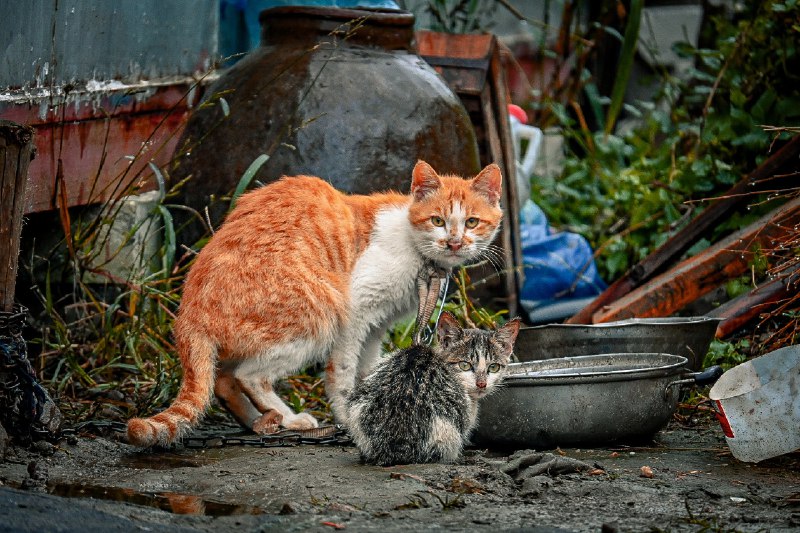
[16, 152]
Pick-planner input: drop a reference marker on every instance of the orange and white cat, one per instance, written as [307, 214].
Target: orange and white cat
[301, 273]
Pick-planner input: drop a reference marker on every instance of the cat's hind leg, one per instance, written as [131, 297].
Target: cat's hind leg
[445, 442]
[234, 400]
[257, 387]
[231, 396]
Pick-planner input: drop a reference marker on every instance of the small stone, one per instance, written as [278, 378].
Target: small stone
[37, 477]
[115, 395]
[43, 447]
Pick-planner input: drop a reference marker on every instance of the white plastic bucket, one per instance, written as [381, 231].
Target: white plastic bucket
[758, 405]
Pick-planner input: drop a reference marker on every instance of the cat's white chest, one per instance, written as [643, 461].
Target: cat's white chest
[383, 282]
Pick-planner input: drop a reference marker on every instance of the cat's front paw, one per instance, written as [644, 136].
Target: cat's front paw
[300, 421]
[267, 423]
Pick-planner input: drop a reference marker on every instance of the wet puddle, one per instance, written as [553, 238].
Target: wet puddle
[166, 501]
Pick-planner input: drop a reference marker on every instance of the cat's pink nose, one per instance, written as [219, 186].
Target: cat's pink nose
[481, 384]
[454, 245]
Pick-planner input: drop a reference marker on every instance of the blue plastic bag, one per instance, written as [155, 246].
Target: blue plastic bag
[558, 265]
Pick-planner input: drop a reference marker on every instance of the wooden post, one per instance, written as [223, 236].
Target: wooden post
[16, 152]
[471, 66]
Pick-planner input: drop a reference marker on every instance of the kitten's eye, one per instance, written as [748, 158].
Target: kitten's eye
[464, 365]
[471, 222]
[494, 367]
[437, 221]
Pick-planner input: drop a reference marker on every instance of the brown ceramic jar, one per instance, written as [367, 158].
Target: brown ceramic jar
[337, 93]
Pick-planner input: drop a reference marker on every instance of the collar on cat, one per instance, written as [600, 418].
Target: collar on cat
[432, 283]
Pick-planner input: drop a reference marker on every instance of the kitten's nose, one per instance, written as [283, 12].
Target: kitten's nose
[481, 384]
[454, 245]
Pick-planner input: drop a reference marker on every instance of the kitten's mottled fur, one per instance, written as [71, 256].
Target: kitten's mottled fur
[420, 404]
[301, 274]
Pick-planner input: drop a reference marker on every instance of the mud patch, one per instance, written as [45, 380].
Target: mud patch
[690, 483]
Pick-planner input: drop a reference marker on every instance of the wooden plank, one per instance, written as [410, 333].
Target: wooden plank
[696, 276]
[741, 310]
[16, 151]
[495, 153]
[501, 101]
[100, 158]
[472, 68]
[784, 160]
[458, 45]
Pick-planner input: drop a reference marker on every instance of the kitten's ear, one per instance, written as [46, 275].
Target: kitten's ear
[489, 183]
[506, 335]
[448, 329]
[424, 180]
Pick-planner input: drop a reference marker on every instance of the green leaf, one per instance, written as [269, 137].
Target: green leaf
[625, 65]
[168, 257]
[247, 177]
[762, 106]
[595, 101]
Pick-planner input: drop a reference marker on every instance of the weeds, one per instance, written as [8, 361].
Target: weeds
[415, 501]
[627, 190]
[706, 525]
[418, 501]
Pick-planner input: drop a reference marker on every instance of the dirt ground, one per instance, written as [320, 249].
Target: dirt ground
[685, 480]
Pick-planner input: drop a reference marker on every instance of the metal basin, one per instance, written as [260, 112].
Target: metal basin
[598, 399]
[685, 336]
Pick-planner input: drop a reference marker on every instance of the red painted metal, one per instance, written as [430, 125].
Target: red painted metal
[102, 140]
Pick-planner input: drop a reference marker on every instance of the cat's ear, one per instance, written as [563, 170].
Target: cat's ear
[489, 183]
[505, 336]
[424, 180]
[448, 329]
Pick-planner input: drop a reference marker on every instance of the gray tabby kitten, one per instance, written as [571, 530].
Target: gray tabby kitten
[420, 404]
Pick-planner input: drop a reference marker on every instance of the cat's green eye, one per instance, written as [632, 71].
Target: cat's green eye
[437, 221]
[464, 365]
[471, 222]
[493, 368]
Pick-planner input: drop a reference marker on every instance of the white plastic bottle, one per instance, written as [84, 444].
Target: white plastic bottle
[521, 131]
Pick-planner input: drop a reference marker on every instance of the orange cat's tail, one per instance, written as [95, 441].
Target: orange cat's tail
[194, 396]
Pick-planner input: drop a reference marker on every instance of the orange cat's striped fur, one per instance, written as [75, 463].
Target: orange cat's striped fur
[301, 273]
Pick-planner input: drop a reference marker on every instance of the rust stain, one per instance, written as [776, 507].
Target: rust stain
[94, 139]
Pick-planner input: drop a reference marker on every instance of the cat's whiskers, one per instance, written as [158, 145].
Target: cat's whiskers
[493, 255]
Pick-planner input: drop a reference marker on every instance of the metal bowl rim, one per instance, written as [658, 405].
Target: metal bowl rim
[676, 364]
[628, 322]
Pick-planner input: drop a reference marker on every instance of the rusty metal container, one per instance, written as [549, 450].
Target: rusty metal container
[337, 93]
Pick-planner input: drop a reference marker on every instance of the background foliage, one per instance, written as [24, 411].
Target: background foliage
[629, 191]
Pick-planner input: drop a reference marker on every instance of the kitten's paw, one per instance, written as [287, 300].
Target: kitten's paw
[300, 421]
[267, 423]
